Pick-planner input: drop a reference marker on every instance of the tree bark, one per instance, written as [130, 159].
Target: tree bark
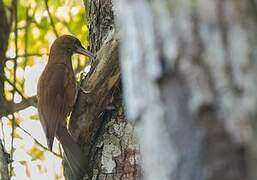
[4, 37]
[97, 121]
[189, 74]
[4, 158]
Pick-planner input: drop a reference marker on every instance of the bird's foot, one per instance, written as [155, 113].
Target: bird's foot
[83, 90]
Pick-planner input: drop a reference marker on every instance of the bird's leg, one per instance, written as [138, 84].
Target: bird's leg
[83, 90]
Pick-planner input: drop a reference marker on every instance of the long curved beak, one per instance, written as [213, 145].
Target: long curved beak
[84, 52]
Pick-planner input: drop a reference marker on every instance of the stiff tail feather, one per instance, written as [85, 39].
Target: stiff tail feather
[75, 157]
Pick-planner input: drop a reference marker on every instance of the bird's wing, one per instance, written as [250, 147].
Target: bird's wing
[52, 94]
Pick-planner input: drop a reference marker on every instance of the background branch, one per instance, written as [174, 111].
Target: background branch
[50, 17]
[37, 142]
[32, 103]
[11, 107]
[26, 55]
[15, 107]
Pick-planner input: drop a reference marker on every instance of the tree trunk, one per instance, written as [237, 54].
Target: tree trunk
[189, 71]
[4, 37]
[4, 158]
[97, 121]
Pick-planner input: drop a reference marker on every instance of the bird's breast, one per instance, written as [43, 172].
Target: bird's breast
[57, 80]
[70, 88]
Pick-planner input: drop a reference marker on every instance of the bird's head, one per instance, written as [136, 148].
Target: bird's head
[68, 45]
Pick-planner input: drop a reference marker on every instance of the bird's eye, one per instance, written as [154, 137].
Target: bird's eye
[78, 44]
[70, 49]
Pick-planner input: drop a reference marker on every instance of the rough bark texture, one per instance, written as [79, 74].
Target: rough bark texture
[98, 121]
[4, 36]
[189, 73]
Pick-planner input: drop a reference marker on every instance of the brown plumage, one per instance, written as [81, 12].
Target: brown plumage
[56, 93]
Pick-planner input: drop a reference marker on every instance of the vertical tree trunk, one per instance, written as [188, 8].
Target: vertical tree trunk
[189, 74]
[98, 121]
[3, 163]
[4, 37]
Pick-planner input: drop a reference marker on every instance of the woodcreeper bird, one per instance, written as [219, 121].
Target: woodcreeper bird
[56, 93]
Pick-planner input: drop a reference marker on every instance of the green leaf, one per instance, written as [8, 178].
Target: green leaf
[36, 153]
[34, 117]
[24, 163]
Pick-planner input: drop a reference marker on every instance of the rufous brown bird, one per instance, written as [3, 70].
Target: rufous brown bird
[56, 93]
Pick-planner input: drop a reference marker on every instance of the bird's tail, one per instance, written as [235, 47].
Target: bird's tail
[75, 157]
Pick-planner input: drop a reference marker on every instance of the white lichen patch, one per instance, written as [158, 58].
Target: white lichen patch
[108, 164]
[117, 129]
[99, 144]
[95, 174]
[116, 139]
[111, 149]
